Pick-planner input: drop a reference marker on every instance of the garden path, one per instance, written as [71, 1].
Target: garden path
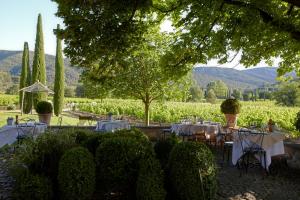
[5, 180]
[255, 185]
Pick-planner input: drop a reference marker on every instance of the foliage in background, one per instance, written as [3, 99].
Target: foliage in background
[219, 87]
[170, 112]
[13, 90]
[196, 94]
[25, 81]
[288, 94]
[69, 91]
[5, 80]
[39, 65]
[59, 83]
[93, 89]
[144, 77]
[24, 73]
[6, 100]
[237, 94]
[211, 97]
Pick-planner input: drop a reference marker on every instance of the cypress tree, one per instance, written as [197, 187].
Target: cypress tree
[59, 78]
[39, 66]
[25, 80]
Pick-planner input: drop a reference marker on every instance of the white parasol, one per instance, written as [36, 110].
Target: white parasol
[35, 88]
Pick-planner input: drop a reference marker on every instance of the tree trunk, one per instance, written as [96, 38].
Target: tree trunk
[147, 111]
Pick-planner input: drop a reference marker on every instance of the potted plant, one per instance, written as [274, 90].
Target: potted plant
[44, 110]
[231, 108]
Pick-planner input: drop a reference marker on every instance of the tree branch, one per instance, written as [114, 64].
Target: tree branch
[293, 2]
[269, 19]
[133, 10]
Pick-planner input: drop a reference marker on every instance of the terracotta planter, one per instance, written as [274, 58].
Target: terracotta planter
[231, 120]
[45, 118]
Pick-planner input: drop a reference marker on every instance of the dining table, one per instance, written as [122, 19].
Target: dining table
[272, 143]
[9, 133]
[112, 125]
[186, 129]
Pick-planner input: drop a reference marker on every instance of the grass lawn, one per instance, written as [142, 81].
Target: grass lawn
[66, 120]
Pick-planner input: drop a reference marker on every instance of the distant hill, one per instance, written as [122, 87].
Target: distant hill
[249, 78]
[11, 61]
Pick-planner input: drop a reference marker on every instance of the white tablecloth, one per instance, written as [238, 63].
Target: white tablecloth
[8, 134]
[111, 126]
[272, 144]
[190, 129]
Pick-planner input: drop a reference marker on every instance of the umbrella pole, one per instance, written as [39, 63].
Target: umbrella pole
[23, 95]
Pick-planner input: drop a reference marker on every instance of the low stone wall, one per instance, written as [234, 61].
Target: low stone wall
[292, 149]
[153, 132]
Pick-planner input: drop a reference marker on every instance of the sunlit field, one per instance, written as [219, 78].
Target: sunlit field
[169, 112]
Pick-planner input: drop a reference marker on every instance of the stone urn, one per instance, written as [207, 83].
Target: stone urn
[231, 120]
[45, 118]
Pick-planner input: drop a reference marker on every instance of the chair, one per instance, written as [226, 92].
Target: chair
[199, 137]
[250, 148]
[226, 142]
[25, 129]
[84, 118]
[164, 132]
[211, 139]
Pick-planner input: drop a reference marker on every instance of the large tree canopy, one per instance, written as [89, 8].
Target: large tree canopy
[104, 31]
[259, 30]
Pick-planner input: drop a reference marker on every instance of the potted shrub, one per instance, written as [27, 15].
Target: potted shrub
[44, 110]
[231, 108]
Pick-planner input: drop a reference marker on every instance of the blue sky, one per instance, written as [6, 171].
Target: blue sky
[18, 20]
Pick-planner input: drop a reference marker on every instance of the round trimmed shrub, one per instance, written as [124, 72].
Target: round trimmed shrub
[76, 175]
[33, 187]
[150, 182]
[44, 107]
[46, 152]
[132, 133]
[192, 171]
[117, 162]
[231, 106]
[163, 148]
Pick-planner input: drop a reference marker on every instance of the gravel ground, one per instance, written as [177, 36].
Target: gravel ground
[256, 184]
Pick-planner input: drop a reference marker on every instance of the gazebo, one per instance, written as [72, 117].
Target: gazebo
[34, 88]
